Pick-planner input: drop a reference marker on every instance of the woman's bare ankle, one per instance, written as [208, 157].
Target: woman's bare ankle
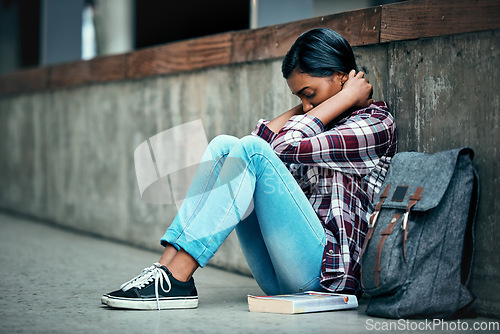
[182, 266]
[168, 254]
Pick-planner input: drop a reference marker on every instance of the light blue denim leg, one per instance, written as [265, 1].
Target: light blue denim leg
[205, 179]
[291, 232]
[255, 250]
[293, 235]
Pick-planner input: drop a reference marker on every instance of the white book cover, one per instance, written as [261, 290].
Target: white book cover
[305, 302]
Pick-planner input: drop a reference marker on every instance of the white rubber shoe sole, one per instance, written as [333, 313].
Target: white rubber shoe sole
[165, 303]
[104, 299]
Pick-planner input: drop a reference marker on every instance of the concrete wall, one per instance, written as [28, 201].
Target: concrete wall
[67, 155]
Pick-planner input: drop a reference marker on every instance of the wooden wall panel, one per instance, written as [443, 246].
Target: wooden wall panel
[427, 18]
[359, 27]
[101, 69]
[110, 68]
[25, 81]
[69, 75]
[180, 56]
[253, 45]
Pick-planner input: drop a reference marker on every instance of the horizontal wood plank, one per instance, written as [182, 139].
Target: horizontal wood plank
[26, 81]
[253, 45]
[427, 18]
[109, 68]
[180, 56]
[69, 75]
[359, 27]
[101, 69]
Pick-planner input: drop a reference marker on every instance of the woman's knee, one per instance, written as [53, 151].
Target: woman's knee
[223, 142]
[252, 143]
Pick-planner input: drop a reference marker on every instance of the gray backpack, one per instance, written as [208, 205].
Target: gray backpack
[417, 255]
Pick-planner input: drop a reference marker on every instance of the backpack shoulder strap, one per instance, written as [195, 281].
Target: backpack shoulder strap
[373, 219]
[417, 196]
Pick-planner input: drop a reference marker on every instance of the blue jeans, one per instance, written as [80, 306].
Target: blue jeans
[242, 184]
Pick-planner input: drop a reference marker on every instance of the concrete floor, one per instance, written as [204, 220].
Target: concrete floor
[52, 280]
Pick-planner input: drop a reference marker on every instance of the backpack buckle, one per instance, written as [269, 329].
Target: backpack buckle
[374, 216]
[373, 219]
[404, 224]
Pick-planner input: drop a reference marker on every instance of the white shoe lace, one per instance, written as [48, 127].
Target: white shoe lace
[146, 276]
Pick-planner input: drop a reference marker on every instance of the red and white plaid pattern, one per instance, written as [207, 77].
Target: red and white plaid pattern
[340, 168]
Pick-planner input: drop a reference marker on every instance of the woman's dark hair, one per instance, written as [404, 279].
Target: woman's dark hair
[319, 52]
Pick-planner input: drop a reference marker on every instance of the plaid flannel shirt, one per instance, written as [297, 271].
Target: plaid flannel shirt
[340, 168]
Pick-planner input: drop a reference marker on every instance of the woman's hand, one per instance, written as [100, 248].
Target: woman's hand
[359, 89]
[356, 92]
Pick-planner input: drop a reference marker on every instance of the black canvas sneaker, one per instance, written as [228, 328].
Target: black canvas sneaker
[154, 288]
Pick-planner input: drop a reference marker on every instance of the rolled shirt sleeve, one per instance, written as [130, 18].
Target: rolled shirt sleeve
[261, 130]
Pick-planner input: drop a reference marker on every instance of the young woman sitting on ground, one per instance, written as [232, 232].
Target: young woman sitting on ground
[307, 179]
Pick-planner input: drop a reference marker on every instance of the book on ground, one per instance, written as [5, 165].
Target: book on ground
[304, 302]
